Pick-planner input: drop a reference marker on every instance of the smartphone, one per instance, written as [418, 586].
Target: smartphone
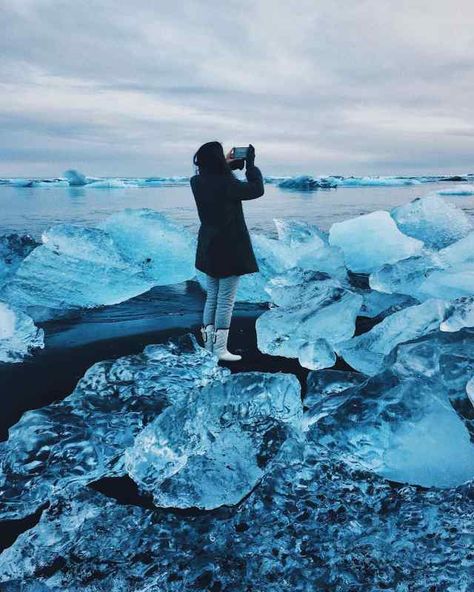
[239, 152]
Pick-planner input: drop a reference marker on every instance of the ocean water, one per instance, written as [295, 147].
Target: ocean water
[31, 210]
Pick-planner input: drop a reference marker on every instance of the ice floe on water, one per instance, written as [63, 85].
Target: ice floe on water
[304, 182]
[460, 190]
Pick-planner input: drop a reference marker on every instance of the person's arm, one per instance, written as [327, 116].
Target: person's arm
[253, 187]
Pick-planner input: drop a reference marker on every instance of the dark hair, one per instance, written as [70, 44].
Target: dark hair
[210, 159]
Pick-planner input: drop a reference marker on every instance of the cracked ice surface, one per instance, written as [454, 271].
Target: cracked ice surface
[83, 437]
[215, 447]
[18, 334]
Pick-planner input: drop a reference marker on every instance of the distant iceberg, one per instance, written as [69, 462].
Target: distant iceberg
[461, 190]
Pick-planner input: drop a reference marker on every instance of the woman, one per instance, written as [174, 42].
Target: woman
[224, 251]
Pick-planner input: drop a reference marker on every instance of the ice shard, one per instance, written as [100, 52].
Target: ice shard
[371, 241]
[432, 220]
[19, 336]
[368, 352]
[213, 449]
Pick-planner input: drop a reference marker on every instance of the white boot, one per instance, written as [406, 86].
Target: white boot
[207, 334]
[220, 347]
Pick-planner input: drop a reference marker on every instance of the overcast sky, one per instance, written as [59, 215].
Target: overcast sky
[318, 86]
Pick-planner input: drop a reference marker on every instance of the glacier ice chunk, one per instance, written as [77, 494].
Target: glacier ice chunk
[433, 220]
[371, 241]
[213, 449]
[74, 268]
[79, 267]
[325, 312]
[13, 249]
[83, 437]
[162, 249]
[18, 334]
[470, 390]
[299, 244]
[404, 431]
[460, 314]
[368, 352]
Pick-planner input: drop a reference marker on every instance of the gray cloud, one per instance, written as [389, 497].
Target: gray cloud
[318, 86]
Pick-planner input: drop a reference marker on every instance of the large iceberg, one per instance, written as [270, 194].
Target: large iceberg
[404, 431]
[215, 447]
[316, 313]
[432, 220]
[79, 267]
[368, 352]
[371, 241]
[19, 336]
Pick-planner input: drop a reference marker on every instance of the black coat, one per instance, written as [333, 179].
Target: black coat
[224, 246]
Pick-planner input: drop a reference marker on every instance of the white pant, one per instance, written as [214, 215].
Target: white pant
[220, 301]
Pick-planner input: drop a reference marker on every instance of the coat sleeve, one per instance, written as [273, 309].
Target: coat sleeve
[250, 189]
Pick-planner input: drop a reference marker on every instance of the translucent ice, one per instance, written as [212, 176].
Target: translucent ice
[448, 274]
[433, 220]
[404, 431]
[79, 267]
[371, 241]
[213, 449]
[470, 390]
[460, 314]
[162, 249]
[75, 267]
[300, 245]
[368, 352]
[18, 334]
[13, 249]
[378, 303]
[312, 311]
[83, 437]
